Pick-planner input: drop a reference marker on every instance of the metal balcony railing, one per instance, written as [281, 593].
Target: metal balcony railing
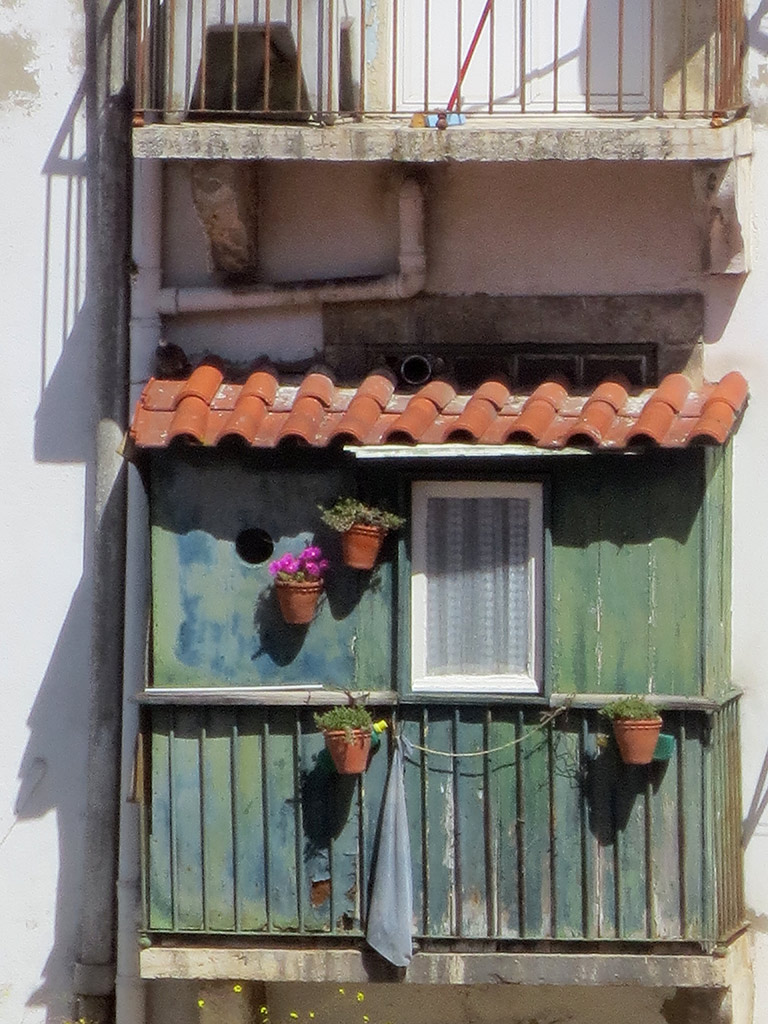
[318, 59]
[249, 831]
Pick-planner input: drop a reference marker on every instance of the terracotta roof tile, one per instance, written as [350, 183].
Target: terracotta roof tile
[262, 412]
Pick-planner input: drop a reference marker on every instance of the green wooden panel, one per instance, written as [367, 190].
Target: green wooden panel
[250, 861]
[188, 892]
[472, 895]
[215, 616]
[664, 808]
[603, 824]
[218, 831]
[624, 586]
[414, 726]
[346, 881]
[624, 612]
[159, 864]
[317, 776]
[716, 558]
[503, 818]
[534, 766]
[696, 849]
[631, 872]
[281, 795]
[573, 606]
[567, 826]
[373, 785]
[440, 825]
[590, 842]
[675, 607]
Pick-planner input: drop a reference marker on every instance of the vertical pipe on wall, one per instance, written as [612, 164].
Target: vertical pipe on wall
[144, 338]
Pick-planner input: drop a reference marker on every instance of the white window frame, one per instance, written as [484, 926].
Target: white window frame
[528, 682]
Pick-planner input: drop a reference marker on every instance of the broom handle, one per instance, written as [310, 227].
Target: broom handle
[470, 54]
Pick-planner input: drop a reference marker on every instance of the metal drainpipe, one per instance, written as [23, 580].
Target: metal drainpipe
[109, 171]
[145, 336]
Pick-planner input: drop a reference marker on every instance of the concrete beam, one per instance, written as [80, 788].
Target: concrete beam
[487, 140]
[353, 966]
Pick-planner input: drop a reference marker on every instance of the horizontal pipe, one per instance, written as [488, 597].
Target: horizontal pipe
[407, 282]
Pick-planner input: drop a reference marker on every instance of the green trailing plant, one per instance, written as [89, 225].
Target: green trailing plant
[635, 708]
[345, 718]
[349, 512]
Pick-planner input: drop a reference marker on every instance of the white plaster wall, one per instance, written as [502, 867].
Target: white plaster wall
[44, 451]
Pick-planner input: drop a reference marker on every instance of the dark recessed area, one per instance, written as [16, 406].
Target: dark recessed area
[254, 545]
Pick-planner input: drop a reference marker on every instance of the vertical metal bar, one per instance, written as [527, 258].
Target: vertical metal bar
[457, 866]
[267, 51]
[203, 51]
[653, 104]
[424, 779]
[395, 23]
[360, 863]
[620, 60]
[682, 841]
[235, 48]
[234, 784]
[139, 101]
[587, 916]
[188, 29]
[171, 51]
[523, 57]
[489, 817]
[299, 50]
[684, 62]
[459, 25]
[145, 796]
[551, 823]
[266, 822]
[555, 56]
[708, 855]
[492, 59]
[520, 824]
[617, 845]
[361, 94]
[201, 783]
[588, 58]
[174, 865]
[331, 101]
[426, 54]
[650, 910]
[298, 818]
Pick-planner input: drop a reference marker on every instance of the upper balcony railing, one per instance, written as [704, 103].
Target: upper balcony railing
[284, 60]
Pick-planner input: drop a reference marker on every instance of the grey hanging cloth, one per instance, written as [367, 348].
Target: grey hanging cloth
[391, 909]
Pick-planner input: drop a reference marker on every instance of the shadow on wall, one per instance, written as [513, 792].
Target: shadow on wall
[52, 772]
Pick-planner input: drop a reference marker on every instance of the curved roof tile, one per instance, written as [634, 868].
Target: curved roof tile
[263, 412]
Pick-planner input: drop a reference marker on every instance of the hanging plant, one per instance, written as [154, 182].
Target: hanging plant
[299, 583]
[362, 528]
[347, 730]
[636, 727]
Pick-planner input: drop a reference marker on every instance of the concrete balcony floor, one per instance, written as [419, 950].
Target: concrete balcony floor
[482, 139]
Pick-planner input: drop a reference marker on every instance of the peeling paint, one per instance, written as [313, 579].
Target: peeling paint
[18, 82]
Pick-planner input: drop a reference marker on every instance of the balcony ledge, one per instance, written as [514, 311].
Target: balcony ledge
[481, 140]
[199, 963]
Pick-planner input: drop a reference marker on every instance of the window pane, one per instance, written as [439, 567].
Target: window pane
[477, 586]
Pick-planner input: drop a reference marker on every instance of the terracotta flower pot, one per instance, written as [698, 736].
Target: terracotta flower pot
[636, 738]
[350, 758]
[298, 600]
[361, 544]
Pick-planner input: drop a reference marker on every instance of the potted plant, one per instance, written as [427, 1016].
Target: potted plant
[299, 583]
[362, 528]
[636, 726]
[347, 730]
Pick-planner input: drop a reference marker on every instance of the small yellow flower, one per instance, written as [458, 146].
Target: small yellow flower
[263, 1009]
[341, 991]
[237, 988]
[360, 997]
[201, 1002]
[293, 1015]
[366, 1018]
[311, 1014]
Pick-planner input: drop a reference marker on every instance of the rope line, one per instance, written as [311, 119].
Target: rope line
[547, 717]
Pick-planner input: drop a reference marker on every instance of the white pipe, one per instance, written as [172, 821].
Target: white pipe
[144, 338]
[407, 282]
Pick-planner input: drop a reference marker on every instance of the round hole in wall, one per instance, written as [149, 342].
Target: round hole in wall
[254, 545]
